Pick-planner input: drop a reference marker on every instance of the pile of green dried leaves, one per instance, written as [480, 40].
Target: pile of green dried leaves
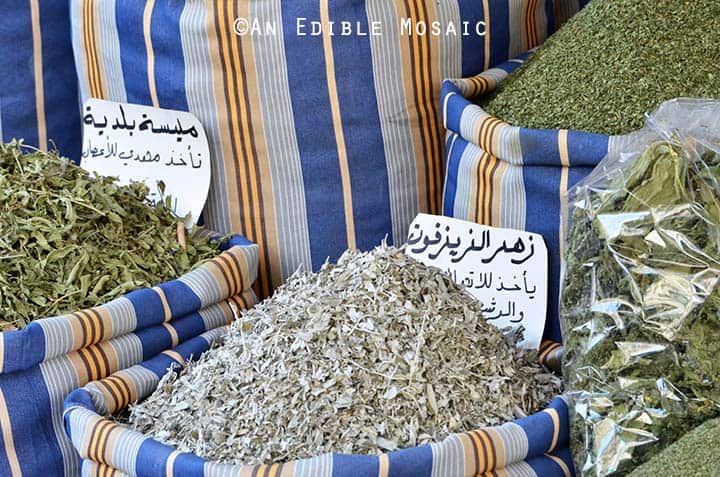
[70, 241]
[696, 454]
[372, 354]
[640, 306]
[614, 61]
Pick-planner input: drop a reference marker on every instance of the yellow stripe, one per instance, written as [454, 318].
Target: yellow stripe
[486, 10]
[8, 438]
[556, 427]
[490, 465]
[498, 446]
[383, 465]
[337, 125]
[38, 71]
[565, 161]
[170, 464]
[165, 304]
[147, 17]
[561, 464]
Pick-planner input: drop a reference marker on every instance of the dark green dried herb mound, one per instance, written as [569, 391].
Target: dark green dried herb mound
[70, 241]
[696, 454]
[612, 63]
[641, 307]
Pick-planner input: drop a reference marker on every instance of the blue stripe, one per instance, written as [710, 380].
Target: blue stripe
[23, 349]
[17, 81]
[361, 124]
[314, 128]
[586, 149]
[499, 31]
[133, 56]
[180, 297]
[169, 58]
[148, 307]
[355, 465]
[62, 113]
[29, 408]
[541, 176]
[454, 106]
[473, 47]
[451, 179]
[151, 458]
[550, 15]
[546, 467]
[415, 462]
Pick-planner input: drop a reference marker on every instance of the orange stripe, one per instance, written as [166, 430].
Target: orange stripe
[225, 273]
[338, 127]
[97, 92]
[91, 365]
[101, 360]
[229, 269]
[38, 73]
[563, 466]
[175, 355]
[231, 92]
[236, 271]
[86, 321]
[122, 388]
[490, 188]
[556, 427]
[166, 306]
[86, 45]
[97, 437]
[486, 39]
[480, 455]
[111, 393]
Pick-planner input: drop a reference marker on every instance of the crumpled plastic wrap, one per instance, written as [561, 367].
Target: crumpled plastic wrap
[640, 300]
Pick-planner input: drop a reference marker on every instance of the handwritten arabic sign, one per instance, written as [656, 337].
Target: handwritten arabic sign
[505, 269]
[140, 143]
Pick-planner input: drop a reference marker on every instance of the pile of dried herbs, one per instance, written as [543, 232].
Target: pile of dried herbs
[376, 353]
[641, 306]
[696, 454]
[70, 241]
[614, 61]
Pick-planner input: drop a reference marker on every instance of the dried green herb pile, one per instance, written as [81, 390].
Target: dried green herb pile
[372, 354]
[614, 61]
[696, 454]
[70, 241]
[641, 307]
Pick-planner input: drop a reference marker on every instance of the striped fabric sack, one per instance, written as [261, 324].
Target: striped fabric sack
[535, 446]
[38, 84]
[49, 358]
[320, 142]
[514, 177]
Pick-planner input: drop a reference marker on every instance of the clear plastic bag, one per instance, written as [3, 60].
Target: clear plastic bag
[640, 300]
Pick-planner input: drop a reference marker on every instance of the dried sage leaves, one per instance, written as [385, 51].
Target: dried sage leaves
[70, 241]
[376, 353]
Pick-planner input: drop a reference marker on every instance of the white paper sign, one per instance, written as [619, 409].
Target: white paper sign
[507, 270]
[146, 144]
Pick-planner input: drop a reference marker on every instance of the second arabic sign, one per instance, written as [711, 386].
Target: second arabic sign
[148, 145]
[505, 269]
